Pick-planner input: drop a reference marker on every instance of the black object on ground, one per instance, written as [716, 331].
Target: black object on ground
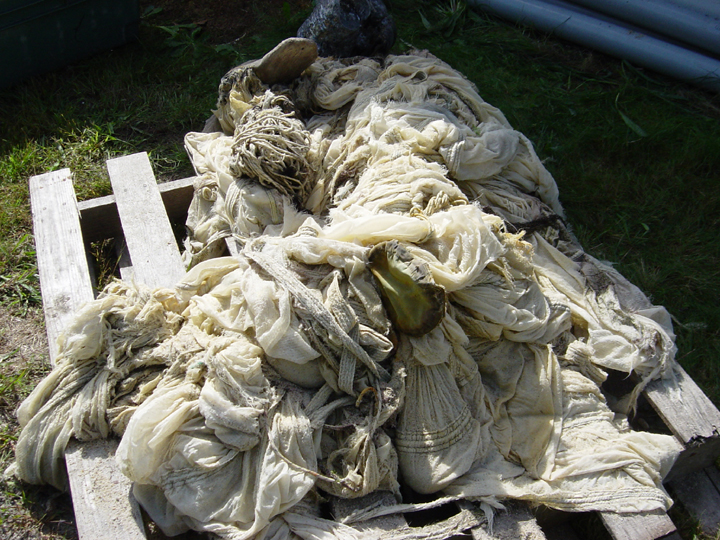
[345, 28]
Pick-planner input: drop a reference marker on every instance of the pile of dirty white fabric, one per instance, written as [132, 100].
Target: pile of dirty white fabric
[403, 309]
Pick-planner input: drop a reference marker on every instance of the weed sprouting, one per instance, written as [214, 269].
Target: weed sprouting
[19, 287]
[446, 17]
[183, 38]
[106, 261]
[189, 39]
[20, 290]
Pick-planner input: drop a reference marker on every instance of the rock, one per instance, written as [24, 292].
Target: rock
[345, 28]
[286, 61]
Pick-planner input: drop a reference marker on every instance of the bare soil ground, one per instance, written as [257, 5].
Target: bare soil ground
[223, 21]
[26, 512]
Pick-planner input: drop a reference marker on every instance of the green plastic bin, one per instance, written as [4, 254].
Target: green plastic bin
[37, 36]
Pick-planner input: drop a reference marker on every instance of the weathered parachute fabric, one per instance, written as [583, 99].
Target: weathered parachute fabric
[405, 307]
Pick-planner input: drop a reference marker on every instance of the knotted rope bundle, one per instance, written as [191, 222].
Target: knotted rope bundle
[271, 146]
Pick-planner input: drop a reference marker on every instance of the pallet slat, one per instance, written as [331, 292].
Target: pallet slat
[104, 508]
[62, 263]
[654, 526]
[515, 522]
[520, 522]
[381, 526]
[100, 219]
[692, 418]
[102, 501]
[646, 526]
[124, 262]
[395, 526]
[153, 249]
[154, 260]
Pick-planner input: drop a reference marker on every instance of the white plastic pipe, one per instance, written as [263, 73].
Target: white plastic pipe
[608, 36]
[667, 17]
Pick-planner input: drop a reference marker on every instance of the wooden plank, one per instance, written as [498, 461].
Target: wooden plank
[699, 495]
[684, 408]
[104, 506]
[99, 217]
[153, 249]
[62, 263]
[691, 417]
[65, 283]
[515, 522]
[644, 526]
[383, 525]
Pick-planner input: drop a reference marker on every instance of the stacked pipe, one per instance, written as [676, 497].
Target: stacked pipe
[679, 38]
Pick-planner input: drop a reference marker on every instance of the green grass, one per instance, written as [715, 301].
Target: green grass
[635, 154]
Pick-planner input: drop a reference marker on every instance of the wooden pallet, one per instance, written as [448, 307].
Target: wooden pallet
[139, 215]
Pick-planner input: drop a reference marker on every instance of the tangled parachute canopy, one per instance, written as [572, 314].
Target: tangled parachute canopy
[404, 307]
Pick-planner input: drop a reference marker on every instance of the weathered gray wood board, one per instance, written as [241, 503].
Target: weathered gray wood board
[396, 527]
[644, 526]
[100, 219]
[104, 507]
[516, 522]
[124, 263]
[108, 510]
[341, 508]
[647, 526]
[692, 418]
[149, 236]
[62, 264]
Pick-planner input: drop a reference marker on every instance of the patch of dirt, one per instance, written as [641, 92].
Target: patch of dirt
[223, 20]
[26, 512]
[25, 335]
